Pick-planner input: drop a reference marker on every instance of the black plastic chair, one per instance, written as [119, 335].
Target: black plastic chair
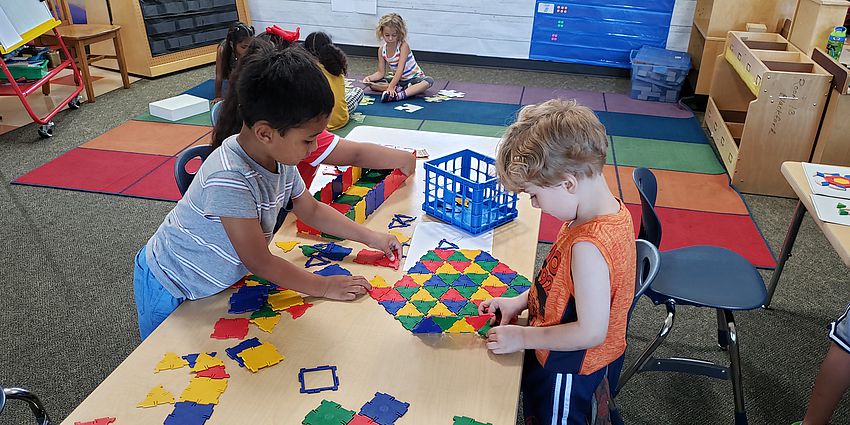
[701, 276]
[183, 177]
[648, 264]
[34, 403]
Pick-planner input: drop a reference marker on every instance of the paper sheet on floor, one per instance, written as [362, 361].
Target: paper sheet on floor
[429, 233]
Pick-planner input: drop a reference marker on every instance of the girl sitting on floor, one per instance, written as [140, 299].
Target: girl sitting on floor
[407, 79]
[228, 53]
[334, 65]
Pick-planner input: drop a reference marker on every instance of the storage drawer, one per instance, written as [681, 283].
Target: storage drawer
[725, 137]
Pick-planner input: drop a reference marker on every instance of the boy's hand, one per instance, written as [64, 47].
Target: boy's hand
[507, 308]
[345, 288]
[409, 167]
[506, 339]
[367, 81]
[385, 242]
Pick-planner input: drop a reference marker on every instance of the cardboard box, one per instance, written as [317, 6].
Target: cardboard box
[178, 107]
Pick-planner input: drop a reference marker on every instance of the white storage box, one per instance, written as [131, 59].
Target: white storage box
[178, 107]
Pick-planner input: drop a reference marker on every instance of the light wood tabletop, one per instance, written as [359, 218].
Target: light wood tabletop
[838, 235]
[440, 375]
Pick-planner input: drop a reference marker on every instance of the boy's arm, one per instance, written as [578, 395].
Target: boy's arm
[322, 217]
[592, 285]
[370, 155]
[380, 72]
[247, 238]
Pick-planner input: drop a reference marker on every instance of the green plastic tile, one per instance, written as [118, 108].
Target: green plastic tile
[437, 291]
[467, 291]
[431, 256]
[470, 309]
[449, 278]
[424, 306]
[407, 291]
[488, 265]
[409, 322]
[445, 322]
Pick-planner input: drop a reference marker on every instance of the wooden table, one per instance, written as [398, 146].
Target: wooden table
[439, 375]
[837, 235]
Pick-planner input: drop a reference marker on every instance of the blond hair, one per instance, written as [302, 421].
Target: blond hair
[394, 21]
[549, 141]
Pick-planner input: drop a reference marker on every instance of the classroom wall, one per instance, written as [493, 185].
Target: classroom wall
[497, 28]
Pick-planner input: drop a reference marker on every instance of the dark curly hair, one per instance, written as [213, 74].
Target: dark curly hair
[331, 57]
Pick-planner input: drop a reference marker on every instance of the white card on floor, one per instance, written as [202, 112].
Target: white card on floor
[828, 180]
[428, 235]
[830, 209]
[409, 108]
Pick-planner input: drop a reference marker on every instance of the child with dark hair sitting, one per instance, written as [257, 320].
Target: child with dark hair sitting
[334, 65]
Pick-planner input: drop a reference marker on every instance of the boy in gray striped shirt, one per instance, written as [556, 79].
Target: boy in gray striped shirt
[221, 228]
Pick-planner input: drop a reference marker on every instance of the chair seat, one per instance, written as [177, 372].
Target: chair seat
[84, 31]
[708, 276]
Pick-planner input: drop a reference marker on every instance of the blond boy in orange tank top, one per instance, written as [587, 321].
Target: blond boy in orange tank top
[579, 303]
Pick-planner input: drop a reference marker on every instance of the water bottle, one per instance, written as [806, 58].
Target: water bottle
[836, 42]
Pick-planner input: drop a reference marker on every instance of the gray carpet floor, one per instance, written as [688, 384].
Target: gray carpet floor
[67, 315]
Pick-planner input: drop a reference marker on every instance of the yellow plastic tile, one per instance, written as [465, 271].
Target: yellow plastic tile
[204, 390]
[266, 323]
[286, 246]
[474, 268]
[461, 326]
[493, 281]
[261, 356]
[357, 191]
[408, 310]
[170, 361]
[481, 294]
[470, 253]
[447, 269]
[360, 212]
[420, 278]
[402, 238]
[422, 295]
[379, 282]
[157, 396]
[355, 174]
[285, 299]
[205, 361]
[440, 310]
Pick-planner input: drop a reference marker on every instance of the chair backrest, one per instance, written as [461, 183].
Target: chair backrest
[34, 403]
[648, 263]
[183, 177]
[61, 11]
[650, 225]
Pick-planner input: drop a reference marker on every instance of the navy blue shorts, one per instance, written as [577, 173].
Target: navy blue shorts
[550, 398]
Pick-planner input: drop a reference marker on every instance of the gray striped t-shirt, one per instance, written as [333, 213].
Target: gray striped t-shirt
[190, 254]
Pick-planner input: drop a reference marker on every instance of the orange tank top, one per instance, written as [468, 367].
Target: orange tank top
[551, 299]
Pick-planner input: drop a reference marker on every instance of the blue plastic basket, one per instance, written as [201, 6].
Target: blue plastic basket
[462, 189]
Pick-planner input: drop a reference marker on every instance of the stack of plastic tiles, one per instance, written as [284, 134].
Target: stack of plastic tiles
[357, 193]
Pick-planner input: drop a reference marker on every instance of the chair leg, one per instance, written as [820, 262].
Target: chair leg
[119, 56]
[735, 370]
[84, 69]
[647, 353]
[31, 400]
[722, 330]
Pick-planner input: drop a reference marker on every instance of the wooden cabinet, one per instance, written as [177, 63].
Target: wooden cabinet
[165, 36]
[814, 20]
[833, 143]
[714, 18]
[765, 104]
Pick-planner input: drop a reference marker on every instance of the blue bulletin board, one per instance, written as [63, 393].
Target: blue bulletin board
[598, 32]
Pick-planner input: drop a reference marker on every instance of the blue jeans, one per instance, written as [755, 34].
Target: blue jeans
[153, 302]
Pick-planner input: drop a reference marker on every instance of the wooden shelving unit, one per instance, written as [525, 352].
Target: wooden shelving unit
[765, 104]
[165, 36]
[714, 18]
[814, 20]
[832, 145]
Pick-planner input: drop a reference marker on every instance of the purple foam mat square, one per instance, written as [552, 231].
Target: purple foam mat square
[624, 104]
[493, 93]
[592, 100]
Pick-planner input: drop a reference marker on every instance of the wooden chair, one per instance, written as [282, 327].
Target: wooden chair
[79, 36]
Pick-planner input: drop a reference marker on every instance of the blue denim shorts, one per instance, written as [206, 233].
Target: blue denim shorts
[153, 302]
